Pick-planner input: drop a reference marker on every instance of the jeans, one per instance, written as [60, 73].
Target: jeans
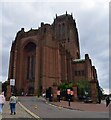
[1, 107]
[13, 107]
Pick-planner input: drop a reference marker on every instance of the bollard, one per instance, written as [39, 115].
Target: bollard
[69, 101]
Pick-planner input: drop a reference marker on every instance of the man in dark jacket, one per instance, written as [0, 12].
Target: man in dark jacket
[107, 101]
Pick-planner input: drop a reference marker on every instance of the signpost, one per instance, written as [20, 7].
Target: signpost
[12, 84]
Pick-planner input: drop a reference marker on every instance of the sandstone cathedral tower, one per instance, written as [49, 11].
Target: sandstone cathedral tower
[49, 55]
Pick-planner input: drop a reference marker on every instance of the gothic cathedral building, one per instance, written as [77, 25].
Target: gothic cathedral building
[50, 55]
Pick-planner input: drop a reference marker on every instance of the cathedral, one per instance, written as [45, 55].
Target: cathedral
[48, 56]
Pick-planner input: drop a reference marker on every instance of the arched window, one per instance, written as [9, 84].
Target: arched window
[29, 58]
[61, 31]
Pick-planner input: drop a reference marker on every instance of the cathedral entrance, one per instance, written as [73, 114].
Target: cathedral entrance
[29, 67]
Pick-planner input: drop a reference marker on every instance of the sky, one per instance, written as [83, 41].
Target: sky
[91, 16]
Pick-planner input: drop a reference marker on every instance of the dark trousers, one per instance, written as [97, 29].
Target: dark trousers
[107, 102]
[58, 96]
[13, 107]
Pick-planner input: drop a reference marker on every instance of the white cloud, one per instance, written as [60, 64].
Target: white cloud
[107, 91]
[2, 78]
[67, 1]
[0, 39]
[13, 1]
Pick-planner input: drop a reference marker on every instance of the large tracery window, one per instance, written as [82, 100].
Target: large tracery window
[30, 61]
[61, 31]
[80, 73]
[33, 67]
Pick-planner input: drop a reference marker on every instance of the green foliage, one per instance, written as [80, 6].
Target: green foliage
[83, 85]
[65, 86]
[100, 92]
[4, 86]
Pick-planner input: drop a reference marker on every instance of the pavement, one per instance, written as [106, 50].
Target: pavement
[83, 106]
[23, 112]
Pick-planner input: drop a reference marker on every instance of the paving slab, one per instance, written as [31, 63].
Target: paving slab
[83, 106]
[20, 112]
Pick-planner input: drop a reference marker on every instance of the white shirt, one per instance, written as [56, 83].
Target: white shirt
[2, 99]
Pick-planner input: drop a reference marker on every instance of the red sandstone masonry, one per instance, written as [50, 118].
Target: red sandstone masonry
[57, 45]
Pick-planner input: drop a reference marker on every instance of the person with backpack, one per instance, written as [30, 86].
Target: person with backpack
[12, 102]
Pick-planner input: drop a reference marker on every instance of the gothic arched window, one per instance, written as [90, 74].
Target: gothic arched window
[63, 31]
[58, 31]
[29, 56]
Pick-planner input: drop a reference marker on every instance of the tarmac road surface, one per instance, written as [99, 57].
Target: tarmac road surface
[46, 110]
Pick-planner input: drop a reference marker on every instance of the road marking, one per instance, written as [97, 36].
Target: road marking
[59, 107]
[35, 106]
[31, 113]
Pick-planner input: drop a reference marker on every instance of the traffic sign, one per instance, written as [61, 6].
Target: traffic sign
[12, 82]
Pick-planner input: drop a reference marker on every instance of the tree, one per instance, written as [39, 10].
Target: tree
[4, 86]
[83, 87]
[63, 87]
[100, 92]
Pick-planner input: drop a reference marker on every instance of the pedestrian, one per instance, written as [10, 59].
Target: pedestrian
[2, 101]
[12, 102]
[58, 95]
[99, 100]
[72, 95]
[107, 101]
[69, 96]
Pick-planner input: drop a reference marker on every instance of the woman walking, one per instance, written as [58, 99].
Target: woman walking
[2, 101]
[13, 101]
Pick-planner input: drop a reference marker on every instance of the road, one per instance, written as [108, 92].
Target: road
[45, 110]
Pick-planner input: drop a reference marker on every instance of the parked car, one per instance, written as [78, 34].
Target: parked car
[81, 97]
[88, 100]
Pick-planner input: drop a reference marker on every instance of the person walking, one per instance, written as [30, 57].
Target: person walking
[2, 101]
[12, 102]
[58, 95]
[107, 101]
